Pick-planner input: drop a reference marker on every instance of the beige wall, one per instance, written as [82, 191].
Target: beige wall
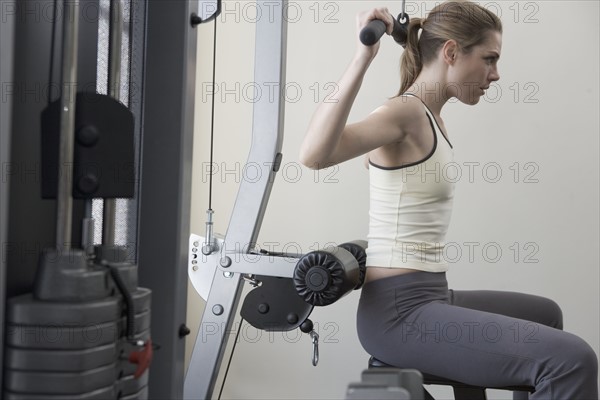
[539, 129]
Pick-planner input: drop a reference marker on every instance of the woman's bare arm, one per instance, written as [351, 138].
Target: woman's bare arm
[329, 140]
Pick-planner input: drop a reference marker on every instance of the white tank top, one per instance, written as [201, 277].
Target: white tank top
[410, 209]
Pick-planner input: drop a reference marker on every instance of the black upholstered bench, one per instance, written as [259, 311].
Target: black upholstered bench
[462, 391]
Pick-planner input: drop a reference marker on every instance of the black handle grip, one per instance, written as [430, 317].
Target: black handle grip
[371, 33]
[375, 29]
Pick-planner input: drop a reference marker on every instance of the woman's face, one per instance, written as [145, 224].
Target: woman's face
[473, 72]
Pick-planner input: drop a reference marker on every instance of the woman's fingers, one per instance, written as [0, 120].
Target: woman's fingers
[381, 13]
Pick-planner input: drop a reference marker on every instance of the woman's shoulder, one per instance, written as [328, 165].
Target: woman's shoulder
[406, 111]
[406, 102]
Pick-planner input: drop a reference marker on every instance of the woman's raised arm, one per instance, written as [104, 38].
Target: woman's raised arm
[328, 139]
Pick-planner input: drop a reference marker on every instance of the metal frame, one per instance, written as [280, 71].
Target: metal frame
[162, 76]
[32, 85]
[27, 223]
[136, 74]
[165, 182]
[248, 211]
[7, 26]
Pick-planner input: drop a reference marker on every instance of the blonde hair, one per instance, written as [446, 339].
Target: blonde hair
[465, 22]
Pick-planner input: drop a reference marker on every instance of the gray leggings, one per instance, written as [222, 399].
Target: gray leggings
[485, 338]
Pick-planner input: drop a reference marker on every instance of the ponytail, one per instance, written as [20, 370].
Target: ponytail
[410, 62]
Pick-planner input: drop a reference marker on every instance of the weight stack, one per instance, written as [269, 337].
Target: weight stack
[127, 385]
[66, 339]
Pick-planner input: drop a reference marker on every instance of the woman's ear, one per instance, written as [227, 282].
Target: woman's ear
[450, 51]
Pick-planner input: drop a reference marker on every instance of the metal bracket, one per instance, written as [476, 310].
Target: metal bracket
[202, 268]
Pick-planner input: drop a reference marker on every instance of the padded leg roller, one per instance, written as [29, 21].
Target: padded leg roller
[323, 277]
[358, 248]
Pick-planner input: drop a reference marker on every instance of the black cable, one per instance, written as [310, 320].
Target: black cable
[127, 298]
[212, 117]
[230, 358]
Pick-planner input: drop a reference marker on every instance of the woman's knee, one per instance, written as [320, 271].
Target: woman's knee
[581, 356]
[571, 368]
[589, 359]
[551, 313]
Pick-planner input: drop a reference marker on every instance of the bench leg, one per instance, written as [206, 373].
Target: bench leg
[464, 393]
[427, 395]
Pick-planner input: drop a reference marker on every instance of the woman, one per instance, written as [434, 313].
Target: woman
[407, 316]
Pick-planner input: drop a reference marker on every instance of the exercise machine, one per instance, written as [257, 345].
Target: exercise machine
[158, 70]
[285, 287]
[218, 267]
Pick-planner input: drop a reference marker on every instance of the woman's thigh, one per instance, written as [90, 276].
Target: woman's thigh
[483, 338]
[474, 346]
[512, 304]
